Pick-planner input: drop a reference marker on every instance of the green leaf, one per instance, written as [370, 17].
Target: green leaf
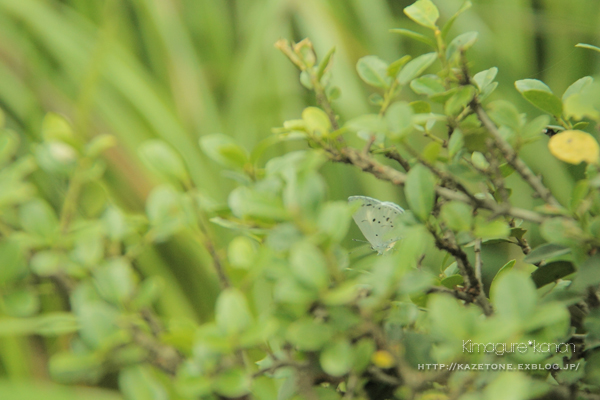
[373, 71]
[508, 385]
[115, 281]
[148, 292]
[443, 96]
[515, 296]
[552, 271]
[485, 78]
[232, 313]
[336, 359]
[97, 320]
[114, 223]
[224, 150]
[448, 319]
[416, 281]
[525, 85]
[49, 324]
[427, 85]
[545, 252]
[342, 294]
[501, 272]
[140, 383]
[27, 389]
[452, 281]
[456, 143]
[37, 217]
[371, 123]
[9, 144]
[99, 144]
[55, 127]
[420, 191]
[420, 107]
[13, 262]
[76, 368]
[414, 35]
[479, 161]
[579, 193]
[423, 12]
[363, 350]
[506, 170]
[165, 212]
[316, 121]
[465, 6]
[232, 383]
[56, 157]
[241, 252]
[578, 106]
[158, 156]
[397, 65]
[431, 152]
[325, 63]
[334, 219]
[308, 334]
[309, 265]
[587, 275]
[458, 216]
[245, 202]
[399, 119]
[461, 43]
[503, 112]
[491, 230]
[459, 100]
[581, 125]
[415, 67]
[21, 303]
[535, 127]
[562, 231]
[545, 101]
[540, 95]
[88, 249]
[191, 385]
[577, 87]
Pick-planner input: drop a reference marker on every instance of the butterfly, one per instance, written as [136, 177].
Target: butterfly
[376, 219]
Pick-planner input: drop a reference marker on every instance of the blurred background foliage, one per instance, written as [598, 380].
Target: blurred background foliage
[180, 69]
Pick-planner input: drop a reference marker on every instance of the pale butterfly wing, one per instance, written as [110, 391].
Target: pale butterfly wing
[376, 220]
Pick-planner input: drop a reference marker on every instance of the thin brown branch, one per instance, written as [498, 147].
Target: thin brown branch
[295, 56]
[478, 263]
[456, 293]
[203, 236]
[447, 179]
[495, 174]
[521, 241]
[465, 268]
[162, 356]
[368, 164]
[512, 158]
[383, 377]
[505, 148]
[473, 284]
[393, 154]
[280, 364]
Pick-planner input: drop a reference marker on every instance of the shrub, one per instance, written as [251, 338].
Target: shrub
[299, 316]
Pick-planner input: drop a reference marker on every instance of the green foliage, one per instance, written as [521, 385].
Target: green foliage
[299, 315]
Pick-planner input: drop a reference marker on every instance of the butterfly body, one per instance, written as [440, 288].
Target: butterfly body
[376, 220]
